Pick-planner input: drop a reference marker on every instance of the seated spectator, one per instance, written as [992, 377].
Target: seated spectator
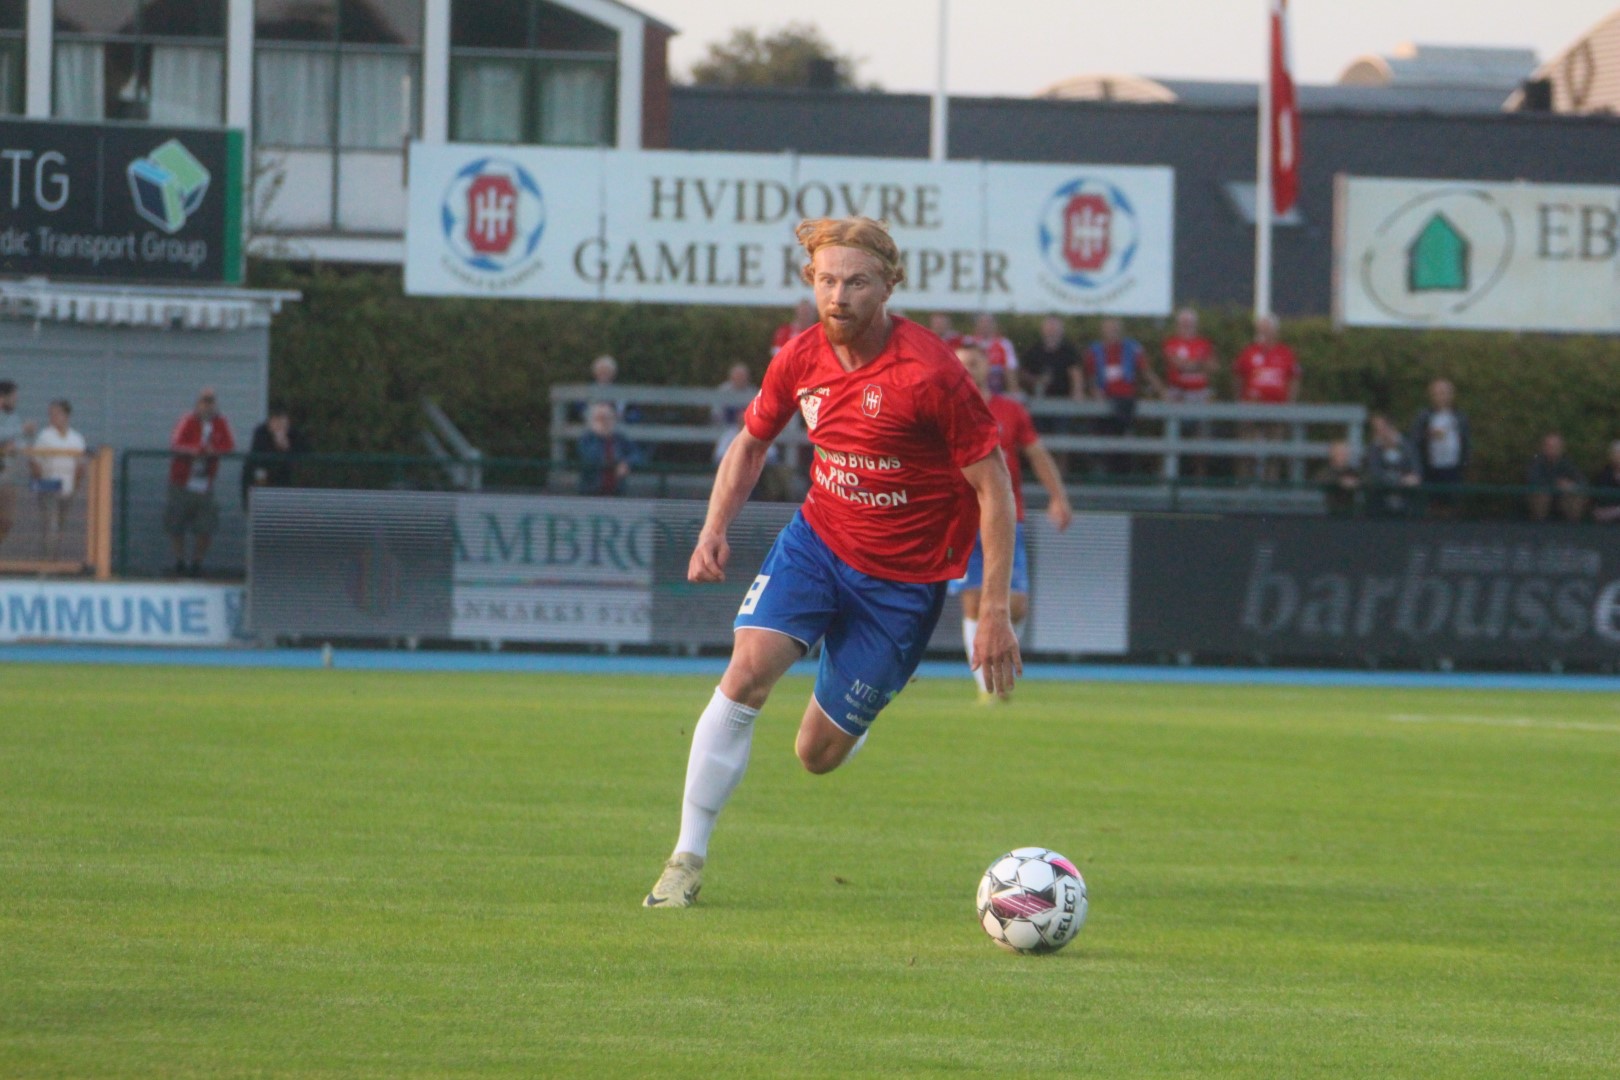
[58, 465]
[1555, 481]
[738, 380]
[944, 328]
[1606, 489]
[604, 373]
[1047, 368]
[1440, 438]
[604, 456]
[804, 317]
[1392, 470]
[1340, 480]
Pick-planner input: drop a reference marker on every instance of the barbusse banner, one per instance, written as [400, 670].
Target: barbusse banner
[698, 228]
[1477, 256]
[117, 614]
[124, 203]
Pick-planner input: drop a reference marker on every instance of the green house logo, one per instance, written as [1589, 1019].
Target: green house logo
[1437, 259]
[168, 185]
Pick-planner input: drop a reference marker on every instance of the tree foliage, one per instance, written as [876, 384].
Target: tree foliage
[782, 57]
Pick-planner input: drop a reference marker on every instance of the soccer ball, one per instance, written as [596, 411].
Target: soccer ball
[1032, 900]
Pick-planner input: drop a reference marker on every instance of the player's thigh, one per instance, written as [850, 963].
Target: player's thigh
[759, 658]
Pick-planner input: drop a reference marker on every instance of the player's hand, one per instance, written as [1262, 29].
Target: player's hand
[995, 650]
[1060, 514]
[709, 559]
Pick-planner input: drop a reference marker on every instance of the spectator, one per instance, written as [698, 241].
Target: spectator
[13, 433]
[998, 350]
[1114, 368]
[775, 482]
[1268, 373]
[1392, 469]
[941, 324]
[804, 317]
[1441, 440]
[1340, 480]
[199, 438]
[739, 380]
[1554, 479]
[271, 453]
[1046, 369]
[1189, 361]
[605, 456]
[58, 466]
[1606, 489]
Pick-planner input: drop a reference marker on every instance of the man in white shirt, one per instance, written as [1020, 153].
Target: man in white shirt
[57, 463]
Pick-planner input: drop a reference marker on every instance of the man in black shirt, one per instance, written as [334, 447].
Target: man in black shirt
[1046, 369]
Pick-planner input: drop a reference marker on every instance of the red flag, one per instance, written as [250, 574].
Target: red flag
[1284, 116]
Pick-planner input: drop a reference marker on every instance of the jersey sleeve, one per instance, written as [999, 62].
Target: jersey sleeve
[964, 420]
[773, 406]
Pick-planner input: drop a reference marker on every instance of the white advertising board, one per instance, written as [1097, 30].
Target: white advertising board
[118, 614]
[706, 228]
[1477, 256]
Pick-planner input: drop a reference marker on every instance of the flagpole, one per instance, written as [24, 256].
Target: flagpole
[1262, 184]
[939, 120]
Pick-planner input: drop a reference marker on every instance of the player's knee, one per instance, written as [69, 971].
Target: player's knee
[818, 757]
[1018, 606]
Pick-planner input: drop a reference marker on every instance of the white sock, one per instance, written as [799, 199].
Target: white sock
[970, 630]
[720, 744]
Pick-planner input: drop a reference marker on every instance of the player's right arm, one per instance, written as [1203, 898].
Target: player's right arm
[739, 472]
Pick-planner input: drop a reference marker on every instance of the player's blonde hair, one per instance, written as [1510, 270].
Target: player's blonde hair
[861, 233]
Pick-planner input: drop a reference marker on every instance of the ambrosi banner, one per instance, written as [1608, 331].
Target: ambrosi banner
[1477, 256]
[179, 614]
[696, 228]
[120, 202]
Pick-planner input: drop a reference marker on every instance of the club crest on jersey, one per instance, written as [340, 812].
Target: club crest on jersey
[871, 399]
[810, 404]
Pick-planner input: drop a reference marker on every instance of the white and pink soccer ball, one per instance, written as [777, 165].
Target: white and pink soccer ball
[1032, 900]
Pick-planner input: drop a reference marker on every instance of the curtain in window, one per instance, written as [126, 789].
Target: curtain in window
[489, 101]
[77, 78]
[294, 91]
[10, 78]
[188, 85]
[376, 100]
[574, 104]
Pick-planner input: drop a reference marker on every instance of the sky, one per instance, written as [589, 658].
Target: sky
[1018, 47]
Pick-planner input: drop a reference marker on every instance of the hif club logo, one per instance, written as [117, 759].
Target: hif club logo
[493, 215]
[1089, 234]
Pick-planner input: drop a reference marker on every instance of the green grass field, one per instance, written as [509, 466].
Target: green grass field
[220, 873]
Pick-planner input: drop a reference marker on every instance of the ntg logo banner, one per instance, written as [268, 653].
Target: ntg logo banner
[697, 228]
[1480, 256]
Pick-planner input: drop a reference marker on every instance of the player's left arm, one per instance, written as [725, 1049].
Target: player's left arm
[995, 649]
[1046, 471]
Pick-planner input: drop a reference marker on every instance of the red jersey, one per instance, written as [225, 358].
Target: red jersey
[1265, 372]
[1188, 362]
[891, 438]
[1017, 431]
[188, 437]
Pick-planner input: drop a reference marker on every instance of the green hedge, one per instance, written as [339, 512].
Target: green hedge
[355, 357]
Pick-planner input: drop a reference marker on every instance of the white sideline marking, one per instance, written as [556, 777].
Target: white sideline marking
[1505, 721]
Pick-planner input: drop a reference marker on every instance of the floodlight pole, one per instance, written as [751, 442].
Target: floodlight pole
[939, 120]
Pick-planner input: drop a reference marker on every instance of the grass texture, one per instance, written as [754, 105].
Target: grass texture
[218, 873]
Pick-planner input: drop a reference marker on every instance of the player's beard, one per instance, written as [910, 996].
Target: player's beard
[850, 330]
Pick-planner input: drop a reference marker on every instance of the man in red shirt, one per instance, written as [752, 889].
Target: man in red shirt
[1018, 437]
[907, 470]
[804, 317]
[998, 349]
[1267, 373]
[1189, 361]
[199, 437]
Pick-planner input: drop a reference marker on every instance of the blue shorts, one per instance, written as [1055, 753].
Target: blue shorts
[875, 630]
[974, 578]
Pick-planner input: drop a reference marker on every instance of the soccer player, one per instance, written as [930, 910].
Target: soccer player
[907, 468]
[1017, 432]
